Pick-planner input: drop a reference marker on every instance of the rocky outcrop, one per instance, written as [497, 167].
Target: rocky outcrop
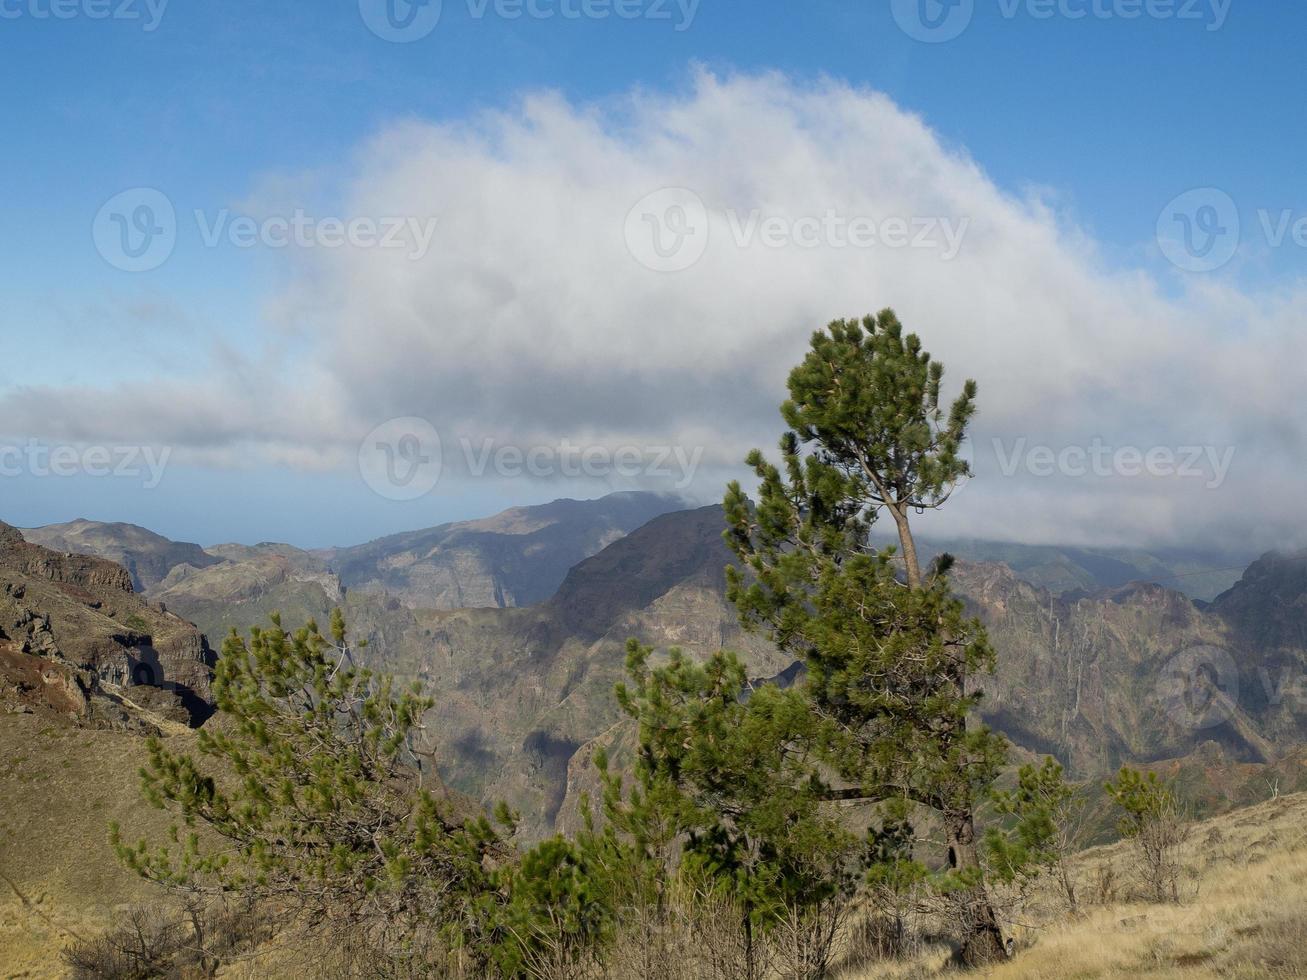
[77, 642]
[69, 569]
[1126, 674]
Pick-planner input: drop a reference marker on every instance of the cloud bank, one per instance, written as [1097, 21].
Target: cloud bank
[534, 317]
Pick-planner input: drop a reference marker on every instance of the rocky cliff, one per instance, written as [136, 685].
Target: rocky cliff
[78, 643]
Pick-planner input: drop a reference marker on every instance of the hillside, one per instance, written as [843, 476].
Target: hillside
[148, 557]
[521, 691]
[86, 668]
[524, 695]
[1241, 913]
[77, 644]
[61, 786]
[246, 585]
[1124, 675]
[1096, 679]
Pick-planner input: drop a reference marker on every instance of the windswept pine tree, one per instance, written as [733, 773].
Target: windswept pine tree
[890, 655]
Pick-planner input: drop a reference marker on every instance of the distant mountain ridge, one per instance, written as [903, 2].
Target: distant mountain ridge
[522, 555]
[516, 558]
[1061, 569]
[1096, 675]
[148, 557]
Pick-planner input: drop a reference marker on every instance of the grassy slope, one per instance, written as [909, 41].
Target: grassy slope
[1244, 914]
[59, 789]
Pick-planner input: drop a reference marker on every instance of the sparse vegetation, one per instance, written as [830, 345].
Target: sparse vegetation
[1153, 821]
[151, 941]
[1050, 826]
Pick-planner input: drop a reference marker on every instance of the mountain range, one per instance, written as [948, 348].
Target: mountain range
[517, 625]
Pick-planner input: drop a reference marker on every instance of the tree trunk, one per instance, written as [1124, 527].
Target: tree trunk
[1068, 884]
[908, 546]
[982, 938]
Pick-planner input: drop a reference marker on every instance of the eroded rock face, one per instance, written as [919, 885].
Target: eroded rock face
[77, 642]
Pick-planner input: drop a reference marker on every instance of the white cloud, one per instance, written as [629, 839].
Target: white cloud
[529, 320]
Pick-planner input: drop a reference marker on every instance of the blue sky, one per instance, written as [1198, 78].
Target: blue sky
[1105, 117]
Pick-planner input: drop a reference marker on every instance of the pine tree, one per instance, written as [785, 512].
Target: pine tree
[312, 803]
[730, 765]
[1048, 826]
[890, 663]
[1153, 820]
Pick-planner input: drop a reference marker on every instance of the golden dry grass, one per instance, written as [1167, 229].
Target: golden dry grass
[59, 789]
[1244, 914]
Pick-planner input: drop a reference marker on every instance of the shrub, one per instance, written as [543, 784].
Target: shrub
[1153, 820]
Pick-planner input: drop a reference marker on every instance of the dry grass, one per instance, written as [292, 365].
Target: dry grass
[59, 789]
[1243, 912]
